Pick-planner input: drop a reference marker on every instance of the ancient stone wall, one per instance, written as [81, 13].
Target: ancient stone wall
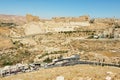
[71, 19]
[31, 18]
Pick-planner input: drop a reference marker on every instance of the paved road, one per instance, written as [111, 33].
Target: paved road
[84, 62]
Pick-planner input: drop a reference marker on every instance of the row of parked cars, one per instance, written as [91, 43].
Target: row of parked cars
[22, 68]
[18, 68]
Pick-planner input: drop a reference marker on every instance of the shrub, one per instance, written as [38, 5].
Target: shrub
[7, 62]
[47, 60]
[92, 21]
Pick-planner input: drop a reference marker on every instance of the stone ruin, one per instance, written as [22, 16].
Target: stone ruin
[71, 19]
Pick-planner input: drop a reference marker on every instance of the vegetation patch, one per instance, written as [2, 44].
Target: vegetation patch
[7, 24]
[55, 52]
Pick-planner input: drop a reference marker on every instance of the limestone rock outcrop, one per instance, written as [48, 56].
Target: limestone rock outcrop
[32, 28]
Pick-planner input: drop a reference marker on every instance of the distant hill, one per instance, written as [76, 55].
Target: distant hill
[18, 20]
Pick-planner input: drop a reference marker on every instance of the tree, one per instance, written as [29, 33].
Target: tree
[92, 21]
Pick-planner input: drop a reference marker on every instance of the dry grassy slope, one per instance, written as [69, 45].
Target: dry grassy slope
[96, 45]
[78, 72]
[5, 43]
[105, 47]
[4, 30]
[87, 45]
[108, 48]
[99, 26]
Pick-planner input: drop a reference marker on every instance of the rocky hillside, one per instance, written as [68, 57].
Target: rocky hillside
[38, 40]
